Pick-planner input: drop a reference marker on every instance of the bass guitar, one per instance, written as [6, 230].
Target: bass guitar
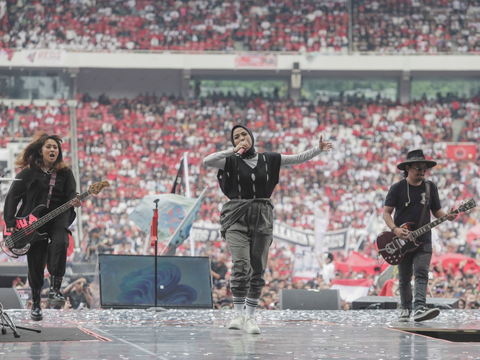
[393, 249]
[20, 241]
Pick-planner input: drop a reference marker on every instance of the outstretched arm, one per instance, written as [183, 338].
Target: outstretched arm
[306, 155]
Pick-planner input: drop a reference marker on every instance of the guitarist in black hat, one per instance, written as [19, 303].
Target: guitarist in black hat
[408, 197]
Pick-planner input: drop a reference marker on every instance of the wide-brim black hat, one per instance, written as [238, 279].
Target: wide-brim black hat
[416, 156]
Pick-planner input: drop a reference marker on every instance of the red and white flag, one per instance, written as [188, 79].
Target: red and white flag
[351, 289]
[462, 151]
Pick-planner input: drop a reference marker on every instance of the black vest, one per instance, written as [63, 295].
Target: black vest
[240, 181]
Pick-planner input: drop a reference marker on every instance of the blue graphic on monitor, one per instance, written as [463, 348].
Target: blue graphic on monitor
[138, 286]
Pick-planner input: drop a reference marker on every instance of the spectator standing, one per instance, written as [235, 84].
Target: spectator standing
[91, 250]
[219, 269]
[328, 269]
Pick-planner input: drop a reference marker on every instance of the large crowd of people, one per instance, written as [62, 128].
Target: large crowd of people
[416, 26]
[137, 144]
[175, 25]
[383, 26]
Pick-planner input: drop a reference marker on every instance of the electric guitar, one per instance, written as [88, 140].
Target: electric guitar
[393, 249]
[20, 241]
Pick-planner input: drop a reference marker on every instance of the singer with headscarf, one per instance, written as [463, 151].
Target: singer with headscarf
[248, 179]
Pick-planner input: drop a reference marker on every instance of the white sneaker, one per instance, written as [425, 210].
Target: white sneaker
[237, 322]
[251, 325]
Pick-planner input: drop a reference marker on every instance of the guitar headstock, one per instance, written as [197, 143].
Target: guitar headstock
[97, 187]
[468, 205]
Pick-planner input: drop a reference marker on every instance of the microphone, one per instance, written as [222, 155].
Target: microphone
[240, 152]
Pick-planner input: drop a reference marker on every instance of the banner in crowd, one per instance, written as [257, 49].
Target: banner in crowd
[183, 230]
[206, 232]
[306, 266]
[332, 241]
[336, 240]
[462, 151]
[351, 289]
[172, 209]
[321, 226]
[44, 57]
[256, 60]
[283, 232]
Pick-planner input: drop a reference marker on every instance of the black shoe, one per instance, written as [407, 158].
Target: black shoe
[55, 297]
[405, 315]
[36, 313]
[425, 313]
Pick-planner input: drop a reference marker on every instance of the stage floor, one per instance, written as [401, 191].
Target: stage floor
[202, 334]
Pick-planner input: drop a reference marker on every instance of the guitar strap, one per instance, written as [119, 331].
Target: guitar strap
[427, 200]
[52, 184]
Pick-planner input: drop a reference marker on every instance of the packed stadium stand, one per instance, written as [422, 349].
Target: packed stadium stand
[100, 60]
[385, 26]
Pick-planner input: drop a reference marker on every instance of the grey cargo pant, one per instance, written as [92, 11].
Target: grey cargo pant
[247, 225]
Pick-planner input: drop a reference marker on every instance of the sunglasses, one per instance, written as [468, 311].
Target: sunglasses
[420, 168]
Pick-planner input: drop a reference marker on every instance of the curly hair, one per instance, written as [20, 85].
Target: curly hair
[31, 154]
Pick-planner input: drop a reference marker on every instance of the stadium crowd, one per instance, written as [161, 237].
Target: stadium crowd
[261, 25]
[380, 26]
[137, 145]
[416, 26]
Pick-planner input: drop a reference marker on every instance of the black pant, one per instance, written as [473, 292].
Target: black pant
[52, 253]
[418, 264]
[249, 240]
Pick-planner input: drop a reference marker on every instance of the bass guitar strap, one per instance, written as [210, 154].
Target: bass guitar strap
[427, 200]
[52, 184]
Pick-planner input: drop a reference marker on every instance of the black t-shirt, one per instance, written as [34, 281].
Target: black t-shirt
[398, 198]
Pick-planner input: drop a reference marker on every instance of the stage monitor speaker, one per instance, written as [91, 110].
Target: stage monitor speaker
[309, 300]
[393, 302]
[10, 272]
[128, 281]
[10, 298]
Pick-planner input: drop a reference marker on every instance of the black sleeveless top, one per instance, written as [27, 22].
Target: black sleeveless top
[240, 181]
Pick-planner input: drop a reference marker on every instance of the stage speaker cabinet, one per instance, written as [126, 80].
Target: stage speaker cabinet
[11, 272]
[128, 281]
[10, 298]
[393, 302]
[309, 300]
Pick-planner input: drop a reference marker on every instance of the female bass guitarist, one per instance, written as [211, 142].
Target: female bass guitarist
[44, 179]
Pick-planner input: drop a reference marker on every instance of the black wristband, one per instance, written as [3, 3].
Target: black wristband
[394, 228]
